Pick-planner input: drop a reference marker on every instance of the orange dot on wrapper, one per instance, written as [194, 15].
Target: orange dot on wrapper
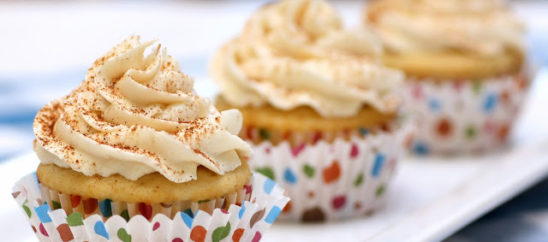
[65, 233]
[249, 132]
[317, 136]
[347, 133]
[238, 233]
[311, 194]
[503, 132]
[386, 127]
[505, 96]
[90, 205]
[444, 128]
[287, 208]
[521, 81]
[357, 205]
[409, 140]
[332, 173]
[75, 200]
[198, 234]
[286, 135]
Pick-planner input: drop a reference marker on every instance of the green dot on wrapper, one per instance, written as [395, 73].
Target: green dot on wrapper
[476, 87]
[309, 170]
[75, 219]
[266, 171]
[471, 132]
[220, 233]
[123, 235]
[359, 180]
[264, 134]
[380, 190]
[55, 204]
[125, 214]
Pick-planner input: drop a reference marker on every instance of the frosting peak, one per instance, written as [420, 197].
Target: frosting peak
[295, 53]
[483, 27]
[137, 114]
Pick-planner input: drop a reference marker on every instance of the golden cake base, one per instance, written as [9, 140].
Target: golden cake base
[303, 123]
[454, 65]
[151, 188]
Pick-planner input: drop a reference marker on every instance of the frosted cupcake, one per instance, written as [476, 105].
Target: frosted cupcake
[464, 60]
[133, 152]
[319, 111]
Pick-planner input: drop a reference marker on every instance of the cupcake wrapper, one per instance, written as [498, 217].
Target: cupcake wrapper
[463, 115]
[238, 223]
[332, 180]
[106, 208]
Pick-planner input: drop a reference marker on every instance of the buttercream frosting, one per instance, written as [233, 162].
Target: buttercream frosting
[297, 53]
[483, 27]
[135, 114]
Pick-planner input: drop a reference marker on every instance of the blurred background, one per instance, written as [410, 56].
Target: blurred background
[47, 46]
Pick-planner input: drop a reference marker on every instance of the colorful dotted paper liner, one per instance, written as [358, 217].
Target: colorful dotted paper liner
[239, 223]
[327, 181]
[107, 208]
[463, 116]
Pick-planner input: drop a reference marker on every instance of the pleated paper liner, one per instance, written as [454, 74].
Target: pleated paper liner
[106, 208]
[87, 220]
[463, 116]
[344, 178]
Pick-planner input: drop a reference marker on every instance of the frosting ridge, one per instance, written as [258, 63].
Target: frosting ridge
[136, 114]
[485, 27]
[295, 53]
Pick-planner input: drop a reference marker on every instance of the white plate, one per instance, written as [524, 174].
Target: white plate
[429, 200]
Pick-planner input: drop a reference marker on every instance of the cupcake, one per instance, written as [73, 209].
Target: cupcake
[465, 67]
[134, 152]
[320, 112]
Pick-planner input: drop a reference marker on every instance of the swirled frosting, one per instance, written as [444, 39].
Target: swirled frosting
[135, 114]
[484, 27]
[296, 53]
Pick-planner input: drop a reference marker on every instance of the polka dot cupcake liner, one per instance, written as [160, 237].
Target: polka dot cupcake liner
[463, 116]
[92, 220]
[332, 180]
[107, 208]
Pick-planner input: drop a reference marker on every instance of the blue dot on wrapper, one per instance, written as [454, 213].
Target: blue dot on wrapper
[187, 219]
[100, 229]
[188, 212]
[434, 105]
[268, 186]
[105, 208]
[241, 213]
[36, 180]
[272, 215]
[490, 103]
[289, 176]
[379, 161]
[420, 149]
[364, 131]
[42, 212]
